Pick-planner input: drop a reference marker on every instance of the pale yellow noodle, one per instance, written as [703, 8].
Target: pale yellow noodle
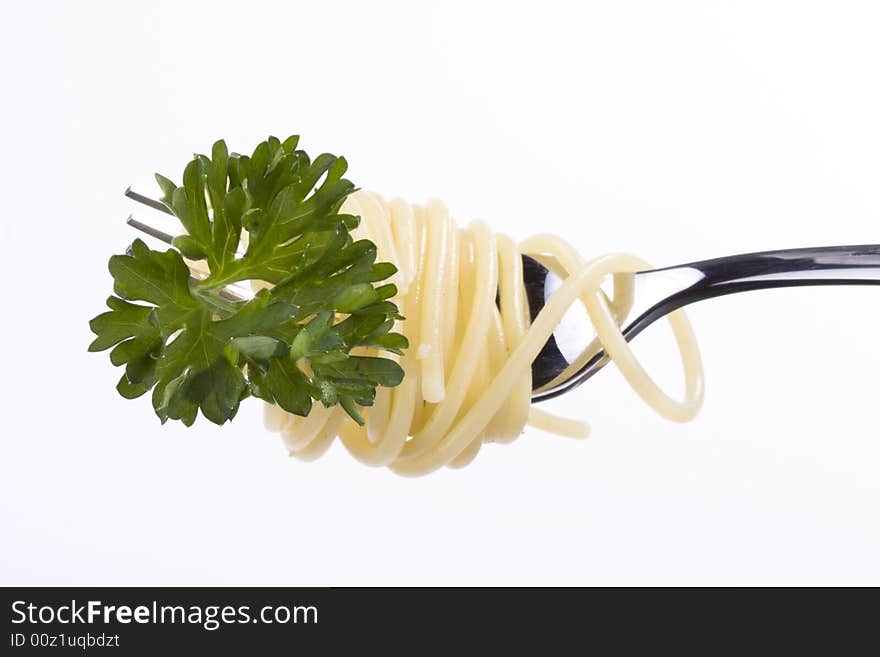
[468, 369]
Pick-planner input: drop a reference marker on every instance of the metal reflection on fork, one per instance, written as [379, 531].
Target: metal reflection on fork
[656, 292]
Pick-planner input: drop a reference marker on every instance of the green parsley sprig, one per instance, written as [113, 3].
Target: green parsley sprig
[291, 344]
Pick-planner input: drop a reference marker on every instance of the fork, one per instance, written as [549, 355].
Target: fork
[654, 293]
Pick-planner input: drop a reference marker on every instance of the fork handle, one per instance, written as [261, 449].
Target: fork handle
[828, 265]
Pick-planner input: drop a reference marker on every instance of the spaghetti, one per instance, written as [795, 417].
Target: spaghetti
[468, 370]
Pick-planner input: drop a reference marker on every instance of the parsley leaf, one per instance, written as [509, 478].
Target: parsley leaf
[198, 351]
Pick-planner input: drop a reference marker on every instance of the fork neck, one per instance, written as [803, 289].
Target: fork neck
[663, 290]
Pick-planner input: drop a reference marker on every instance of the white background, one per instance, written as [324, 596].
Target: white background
[676, 131]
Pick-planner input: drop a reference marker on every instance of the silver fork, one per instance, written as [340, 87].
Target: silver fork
[656, 293]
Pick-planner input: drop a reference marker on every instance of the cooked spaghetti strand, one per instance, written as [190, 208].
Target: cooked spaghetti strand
[468, 370]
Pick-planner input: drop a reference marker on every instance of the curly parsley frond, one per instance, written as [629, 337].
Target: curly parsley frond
[291, 344]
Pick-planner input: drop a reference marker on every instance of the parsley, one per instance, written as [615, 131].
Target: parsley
[291, 344]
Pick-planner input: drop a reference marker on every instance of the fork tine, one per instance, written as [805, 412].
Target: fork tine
[146, 200]
[149, 230]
